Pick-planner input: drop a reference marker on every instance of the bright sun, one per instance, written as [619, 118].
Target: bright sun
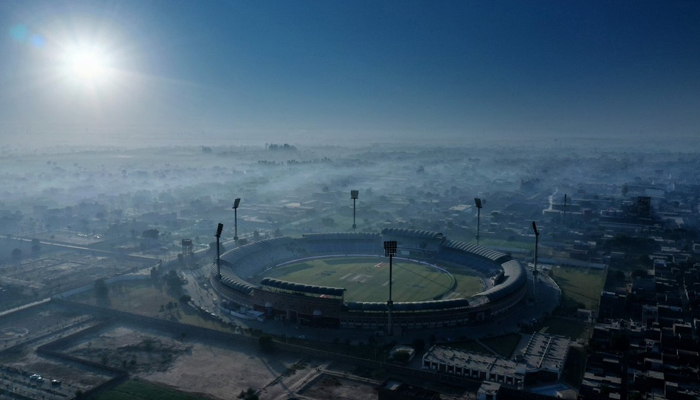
[87, 65]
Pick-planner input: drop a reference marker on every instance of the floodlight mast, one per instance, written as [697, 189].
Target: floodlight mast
[218, 252]
[534, 270]
[390, 251]
[353, 196]
[236, 203]
[564, 209]
[477, 201]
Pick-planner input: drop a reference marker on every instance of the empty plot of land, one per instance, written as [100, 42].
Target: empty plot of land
[338, 388]
[215, 369]
[579, 286]
[503, 345]
[219, 371]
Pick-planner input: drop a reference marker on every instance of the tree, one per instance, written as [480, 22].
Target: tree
[172, 279]
[101, 289]
[16, 254]
[277, 233]
[402, 356]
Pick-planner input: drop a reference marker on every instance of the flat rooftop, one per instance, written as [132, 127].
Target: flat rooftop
[546, 353]
[474, 361]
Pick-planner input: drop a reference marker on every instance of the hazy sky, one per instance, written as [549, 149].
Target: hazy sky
[257, 71]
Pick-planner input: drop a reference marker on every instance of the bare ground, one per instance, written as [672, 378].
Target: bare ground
[221, 372]
[336, 387]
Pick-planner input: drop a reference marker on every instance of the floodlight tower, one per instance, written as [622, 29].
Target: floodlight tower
[390, 251]
[534, 270]
[477, 201]
[218, 252]
[353, 196]
[236, 202]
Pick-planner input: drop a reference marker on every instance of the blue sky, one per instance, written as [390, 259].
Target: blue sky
[299, 71]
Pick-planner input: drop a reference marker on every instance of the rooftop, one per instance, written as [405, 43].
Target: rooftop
[474, 361]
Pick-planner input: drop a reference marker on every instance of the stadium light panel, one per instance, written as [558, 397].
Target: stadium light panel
[354, 194]
[219, 229]
[236, 203]
[477, 201]
[390, 248]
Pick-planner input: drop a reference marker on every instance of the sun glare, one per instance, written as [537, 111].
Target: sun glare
[87, 65]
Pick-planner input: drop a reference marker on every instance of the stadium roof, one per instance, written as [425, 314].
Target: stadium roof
[299, 287]
[413, 233]
[232, 281]
[431, 305]
[515, 278]
[341, 236]
[492, 255]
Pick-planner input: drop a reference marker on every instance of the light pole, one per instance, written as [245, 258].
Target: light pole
[218, 253]
[353, 196]
[477, 201]
[236, 202]
[534, 270]
[390, 251]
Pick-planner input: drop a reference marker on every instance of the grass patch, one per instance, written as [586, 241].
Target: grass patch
[467, 283]
[564, 327]
[579, 287]
[503, 345]
[141, 297]
[367, 279]
[469, 345]
[141, 390]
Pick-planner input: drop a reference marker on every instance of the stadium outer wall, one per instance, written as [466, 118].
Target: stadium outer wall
[326, 307]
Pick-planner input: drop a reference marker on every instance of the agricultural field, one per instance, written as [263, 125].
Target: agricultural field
[579, 286]
[142, 390]
[367, 278]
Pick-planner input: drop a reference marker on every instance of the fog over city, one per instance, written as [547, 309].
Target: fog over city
[357, 200]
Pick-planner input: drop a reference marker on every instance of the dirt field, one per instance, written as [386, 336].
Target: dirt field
[338, 388]
[222, 371]
[214, 369]
[132, 350]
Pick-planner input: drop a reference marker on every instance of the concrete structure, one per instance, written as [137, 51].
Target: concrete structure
[475, 365]
[319, 306]
[542, 360]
